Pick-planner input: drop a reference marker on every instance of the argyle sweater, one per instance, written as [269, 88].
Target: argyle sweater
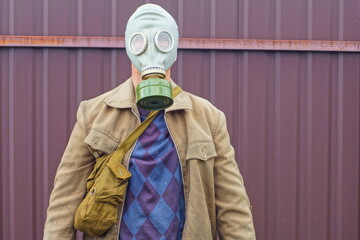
[154, 205]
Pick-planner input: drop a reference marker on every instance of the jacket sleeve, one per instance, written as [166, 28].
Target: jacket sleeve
[234, 218]
[70, 184]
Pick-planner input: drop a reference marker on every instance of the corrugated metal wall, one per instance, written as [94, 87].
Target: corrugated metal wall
[293, 117]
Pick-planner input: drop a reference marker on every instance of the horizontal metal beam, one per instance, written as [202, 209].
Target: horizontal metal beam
[185, 43]
[270, 45]
[62, 41]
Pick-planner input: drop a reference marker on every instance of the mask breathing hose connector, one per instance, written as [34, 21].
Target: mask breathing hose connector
[154, 92]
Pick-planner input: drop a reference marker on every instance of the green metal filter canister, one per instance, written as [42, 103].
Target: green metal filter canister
[154, 94]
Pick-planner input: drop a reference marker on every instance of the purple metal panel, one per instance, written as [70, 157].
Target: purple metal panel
[195, 23]
[253, 135]
[319, 15]
[52, 11]
[92, 81]
[22, 144]
[196, 76]
[224, 92]
[293, 117]
[5, 18]
[57, 109]
[220, 22]
[285, 133]
[279, 114]
[96, 20]
[351, 20]
[257, 14]
[25, 23]
[350, 154]
[320, 87]
[290, 22]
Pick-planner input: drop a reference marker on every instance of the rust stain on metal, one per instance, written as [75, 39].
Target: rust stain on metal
[30, 40]
[185, 43]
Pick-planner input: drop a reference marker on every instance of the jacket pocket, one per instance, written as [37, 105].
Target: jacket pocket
[201, 151]
[100, 143]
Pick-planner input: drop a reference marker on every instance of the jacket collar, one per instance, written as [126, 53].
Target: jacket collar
[124, 97]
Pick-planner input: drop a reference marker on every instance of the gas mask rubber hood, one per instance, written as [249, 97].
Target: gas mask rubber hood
[152, 39]
[149, 20]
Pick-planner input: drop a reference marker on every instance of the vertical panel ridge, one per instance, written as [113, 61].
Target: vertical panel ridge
[277, 132]
[341, 20]
[11, 145]
[79, 75]
[113, 51]
[310, 20]
[244, 93]
[45, 122]
[180, 53]
[329, 153]
[339, 159]
[339, 129]
[358, 233]
[80, 17]
[298, 148]
[308, 146]
[277, 116]
[11, 17]
[278, 20]
[45, 133]
[68, 91]
[212, 53]
[270, 143]
[34, 171]
[46, 17]
[79, 52]
[237, 95]
[246, 19]
[244, 112]
[2, 107]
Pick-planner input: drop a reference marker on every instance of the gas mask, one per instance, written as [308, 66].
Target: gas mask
[151, 39]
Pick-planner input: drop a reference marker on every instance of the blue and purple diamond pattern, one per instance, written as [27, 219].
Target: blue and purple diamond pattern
[154, 206]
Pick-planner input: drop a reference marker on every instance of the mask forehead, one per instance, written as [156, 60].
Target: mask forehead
[151, 16]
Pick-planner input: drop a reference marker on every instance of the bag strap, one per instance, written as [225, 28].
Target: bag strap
[134, 135]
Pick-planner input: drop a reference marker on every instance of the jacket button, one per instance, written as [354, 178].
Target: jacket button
[203, 155]
[96, 154]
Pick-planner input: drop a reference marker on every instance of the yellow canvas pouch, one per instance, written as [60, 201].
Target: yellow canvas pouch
[106, 186]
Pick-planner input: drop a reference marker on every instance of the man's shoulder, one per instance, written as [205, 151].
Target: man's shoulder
[97, 103]
[90, 108]
[204, 114]
[200, 104]
[101, 99]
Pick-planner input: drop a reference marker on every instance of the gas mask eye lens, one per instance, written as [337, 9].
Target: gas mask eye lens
[164, 41]
[138, 43]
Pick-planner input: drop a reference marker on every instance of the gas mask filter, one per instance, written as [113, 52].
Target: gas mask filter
[151, 39]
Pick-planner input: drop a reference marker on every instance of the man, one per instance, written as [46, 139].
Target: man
[185, 182]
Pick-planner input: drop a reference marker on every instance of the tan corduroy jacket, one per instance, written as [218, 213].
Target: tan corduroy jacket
[215, 196]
